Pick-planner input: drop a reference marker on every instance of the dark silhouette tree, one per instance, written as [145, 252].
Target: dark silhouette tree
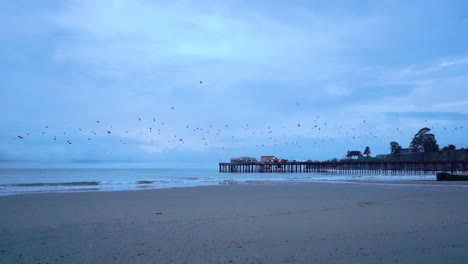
[367, 151]
[424, 140]
[354, 154]
[395, 148]
[449, 147]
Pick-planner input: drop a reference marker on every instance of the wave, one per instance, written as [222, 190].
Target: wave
[145, 182]
[41, 184]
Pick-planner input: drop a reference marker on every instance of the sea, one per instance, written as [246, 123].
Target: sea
[26, 181]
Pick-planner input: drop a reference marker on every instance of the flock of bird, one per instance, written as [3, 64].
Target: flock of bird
[150, 132]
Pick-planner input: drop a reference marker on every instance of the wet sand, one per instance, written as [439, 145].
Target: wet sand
[289, 223]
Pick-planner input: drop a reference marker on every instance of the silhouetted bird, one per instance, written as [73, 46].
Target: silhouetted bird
[20, 137]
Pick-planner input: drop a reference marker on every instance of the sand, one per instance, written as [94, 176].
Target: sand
[293, 223]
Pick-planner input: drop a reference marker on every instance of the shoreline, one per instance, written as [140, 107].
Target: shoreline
[95, 188]
[270, 223]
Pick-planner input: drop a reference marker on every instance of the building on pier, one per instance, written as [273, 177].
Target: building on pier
[267, 159]
[243, 160]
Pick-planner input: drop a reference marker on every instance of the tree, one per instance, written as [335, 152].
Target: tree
[395, 148]
[354, 154]
[449, 147]
[424, 140]
[367, 151]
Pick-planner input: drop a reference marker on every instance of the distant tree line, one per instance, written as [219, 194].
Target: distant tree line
[423, 141]
[356, 154]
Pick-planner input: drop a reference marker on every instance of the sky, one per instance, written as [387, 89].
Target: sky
[87, 83]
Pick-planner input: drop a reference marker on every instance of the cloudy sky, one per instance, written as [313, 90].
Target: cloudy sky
[192, 83]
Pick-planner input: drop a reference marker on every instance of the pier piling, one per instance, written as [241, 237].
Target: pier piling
[348, 167]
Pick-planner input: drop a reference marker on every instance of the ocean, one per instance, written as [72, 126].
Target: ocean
[23, 181]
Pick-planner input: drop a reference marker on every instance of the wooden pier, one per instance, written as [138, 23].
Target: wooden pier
[348, 167]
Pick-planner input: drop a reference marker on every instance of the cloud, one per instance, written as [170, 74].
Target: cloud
[124, 38]
[452, 116]
[338, 91]
[277, 65]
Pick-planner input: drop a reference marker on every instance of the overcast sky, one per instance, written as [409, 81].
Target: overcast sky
[211, 80]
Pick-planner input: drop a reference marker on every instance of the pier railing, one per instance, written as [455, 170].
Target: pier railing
[348, 167]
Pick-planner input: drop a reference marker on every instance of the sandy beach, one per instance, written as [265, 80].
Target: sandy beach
[284, 223]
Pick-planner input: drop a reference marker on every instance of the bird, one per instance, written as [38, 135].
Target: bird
[172, 107]
[20, 137]
[98, 121]
[108, 132]
[201, 82]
